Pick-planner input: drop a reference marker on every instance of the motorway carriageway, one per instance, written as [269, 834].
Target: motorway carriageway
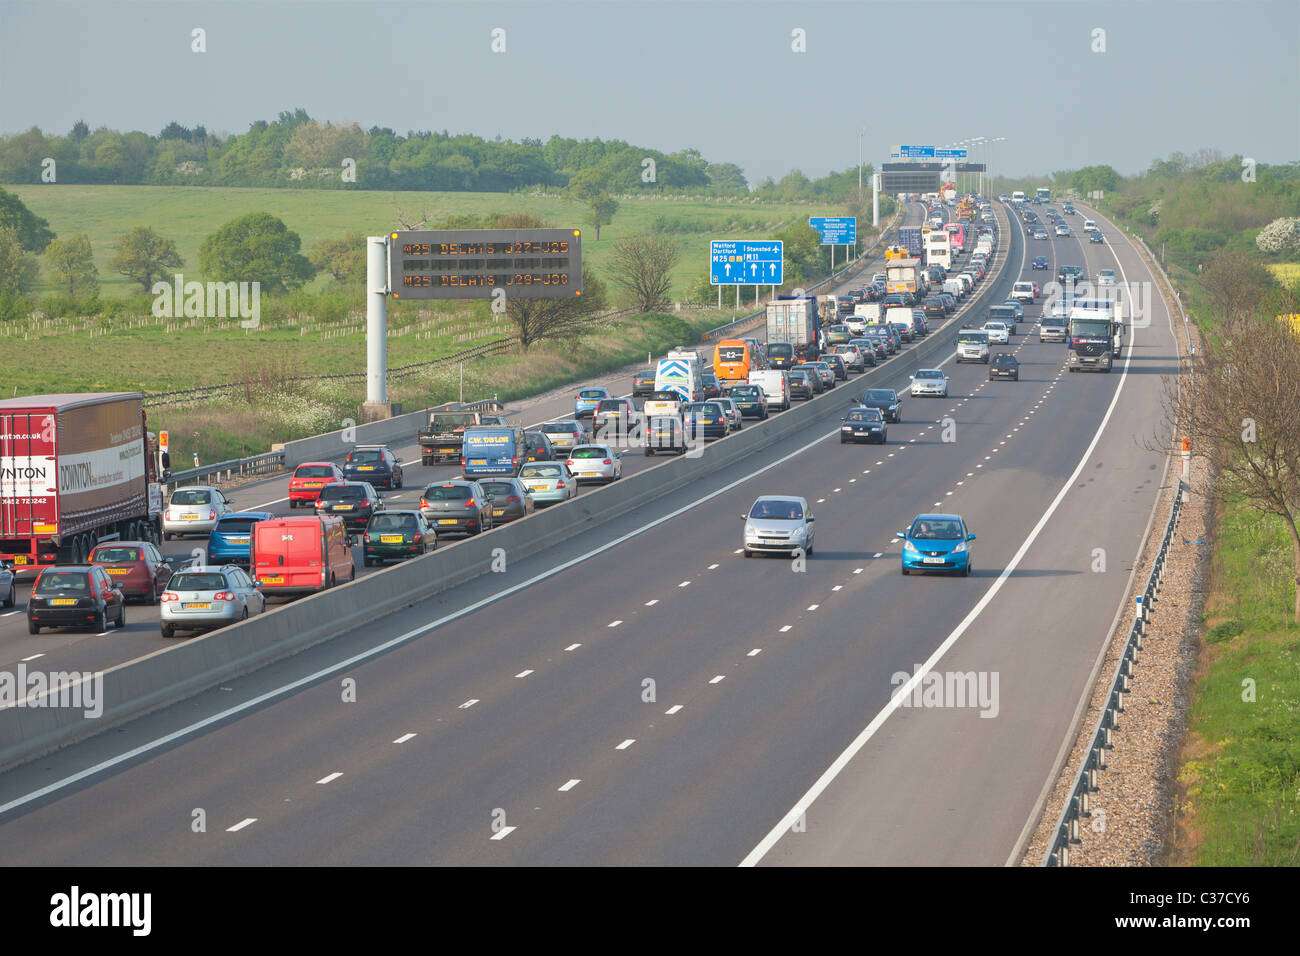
[522, 727]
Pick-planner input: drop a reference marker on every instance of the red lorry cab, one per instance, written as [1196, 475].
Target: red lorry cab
[300, 555]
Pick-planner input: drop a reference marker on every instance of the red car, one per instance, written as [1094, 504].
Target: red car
[309, 478]
[136, 568]
[1038, 290]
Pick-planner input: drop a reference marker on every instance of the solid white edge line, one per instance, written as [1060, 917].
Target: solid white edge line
[903, 693]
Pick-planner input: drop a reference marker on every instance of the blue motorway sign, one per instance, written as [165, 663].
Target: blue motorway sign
[836, 230]
[926, 152]
[746, 262]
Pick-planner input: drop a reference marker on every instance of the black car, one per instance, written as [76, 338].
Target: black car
[538, 447]
[461, 505]
[864, 424]
[374, 464]
[712, 387]
[801, 384]
[934, 308]
[353, 501]
[75, 595]
[750, 399]
[1096, 236]
[1004, 365]
[837, 366]
[884, 400]
[643, 382]
[1069, 274]
[397, 534]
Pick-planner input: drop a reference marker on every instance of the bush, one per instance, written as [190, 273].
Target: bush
[14, 306]
[1224, 632]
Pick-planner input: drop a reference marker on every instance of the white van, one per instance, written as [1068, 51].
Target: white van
[902, 316]
[967, 279]
[869, 311]
[1089, 226]
[776, 386]
[955, 286]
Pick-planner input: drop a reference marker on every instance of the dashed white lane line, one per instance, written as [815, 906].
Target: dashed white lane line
[876, 555]
[684, 584]
[523, 673]
[566, 787]
[837, 491]
[503, 833]
[403, 739]
[820, 500]
[719, 679]
[673, 709]
[858, 570]
[329, 777]
[11, 613]
[625, 744]
[654, 601]
[755, 652]
[838, 587]
[738, 550]
[813, 607]
[468, 704]
[614, 623]
[786, 628]
[712, 567]
[241, 824]
[32, 658]
[573, 647]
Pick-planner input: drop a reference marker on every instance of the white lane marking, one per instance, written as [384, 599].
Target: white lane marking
[614, 623]
[876, 555]
[503, 833]
[654, 601]
[566, 787]
[947, 494]
[524, 673]
[904, 692]
[241, 824]
[738, 550]
[11, 613]
[403, 739]
[719, 679]
[867, 472]
[786, 628]
[712, 566]
[329, 777]
[852, 480]
[820, 500]
[403, 638]
[32, 658]
[625, 744]
[673, 709]
[837, 490]
[813, 607]
[684, 584]
[755, 652]
[468, 704]
[858, 570]
[838, 587]
[573, 647]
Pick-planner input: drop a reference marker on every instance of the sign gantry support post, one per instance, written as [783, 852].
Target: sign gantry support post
[377, 406]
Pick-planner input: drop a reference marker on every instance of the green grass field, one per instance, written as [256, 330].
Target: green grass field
[1240, 802]
[187, 215]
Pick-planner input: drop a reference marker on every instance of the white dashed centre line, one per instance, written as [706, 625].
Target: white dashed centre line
[712, 566]
[241, 824]
[858, 570]
[684, 584]
[403, 739]
[468, 704]
[523, 673]
[837, 587]
[813, 607]
[565, 788]
[673, 709]
[573, 647]
[329, 777]
[625, 744]
[719, 679]
[503, 833]
[755, 652]
[785, 628]
[614, 623]
[32, 658]
[653, 602]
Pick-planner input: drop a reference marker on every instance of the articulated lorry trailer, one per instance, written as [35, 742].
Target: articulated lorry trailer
[75, 469]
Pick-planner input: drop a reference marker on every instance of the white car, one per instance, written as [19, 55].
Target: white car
[595, 463]
[1106, 277]
[1023, 292]
[194, 509]
[998, 332]
[1089, 226]
[930, 381]
[782, 523]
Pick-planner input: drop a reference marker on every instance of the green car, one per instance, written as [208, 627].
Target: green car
[396, 535]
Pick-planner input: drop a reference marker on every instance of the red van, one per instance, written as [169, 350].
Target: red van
[300, 555]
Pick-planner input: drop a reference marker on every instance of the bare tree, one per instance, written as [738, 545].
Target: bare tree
[539, 319]
[409, 222]
[1236, 282]
[642, 267]
[1241, 407]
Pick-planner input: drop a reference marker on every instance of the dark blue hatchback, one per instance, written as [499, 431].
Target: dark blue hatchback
[229, 541]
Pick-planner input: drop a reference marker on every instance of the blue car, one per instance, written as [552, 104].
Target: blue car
[584, 406]
[229, 541]
[937, 543]
[1040, 262]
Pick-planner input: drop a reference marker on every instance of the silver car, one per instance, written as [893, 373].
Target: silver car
[782, 523]
[930, 381]
[595, 463]
[194, 509]
[548, 482]
[729, 409]
[201, 597]
[564, 435]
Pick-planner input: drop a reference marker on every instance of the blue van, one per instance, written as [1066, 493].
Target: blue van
[229, 541]
[493, 450]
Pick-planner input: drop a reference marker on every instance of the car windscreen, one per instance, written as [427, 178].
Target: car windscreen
[929, 373]
[446, 493]
[392, 522]
[932, 529]
[865, 415]
[1090, 328]
[198, 581]
[787, 510]
[342, 492]
[314, 471]
[541, 471]
[235, 525]
[973, 338]
[63, 582]
[114, 555]
[191, 497]
[1004, 359]
[879, 395]
[365, 457]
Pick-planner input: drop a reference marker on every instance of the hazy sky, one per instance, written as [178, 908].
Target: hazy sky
[717, 75]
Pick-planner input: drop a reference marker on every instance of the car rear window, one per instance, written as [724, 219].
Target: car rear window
[341, 492]
[235, 525]
[558, 428]
[498, 487]
[610, 405]
[392, 522]
[541, 471]
[62, 582]
[592, 393]
[745, 391]
[366, 457]
[198, 581]
[313, 471]
[589, 453]
[191, 497]
[447, 493]
[114, 555]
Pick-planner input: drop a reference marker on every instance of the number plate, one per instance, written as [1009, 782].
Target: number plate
[498, 512]
[20, 559]
[936, 560]
[342, 507]
[119, 570]
[365, 468]
[243, 539]
[189, 517]
[314, 484]
[196, 606]
[390, 539]
[478, 461]
[62, 602]
[446, 521]
[274, 580]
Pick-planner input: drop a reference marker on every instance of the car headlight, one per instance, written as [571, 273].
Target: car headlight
[961, 546]
[799, 532]
[908, 546]
[749, 530]
[893, 408]
[846, 428]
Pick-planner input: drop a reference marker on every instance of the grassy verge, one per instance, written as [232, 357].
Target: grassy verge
[1239, 784]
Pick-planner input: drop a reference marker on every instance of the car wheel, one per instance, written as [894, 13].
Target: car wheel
[167, 630]
[367, 562]
[244, 616]
[9, 601]
[970, 566]
[121, 618]
[649, 452]
[842, 440]
[167, 535]
[292, 504]
[101, 623]
[748, 554]
[903, 569]
[33, 627]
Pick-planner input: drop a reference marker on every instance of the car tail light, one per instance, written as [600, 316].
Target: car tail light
[212, 514]
[365, 502]
[169, 596]
[470, 503]
[320, 503]
[418, 537]
[462, 462]
[561, 484]
[424, 503]
[224, 596]
[512, 498]
[608, 461]
[366, 537]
